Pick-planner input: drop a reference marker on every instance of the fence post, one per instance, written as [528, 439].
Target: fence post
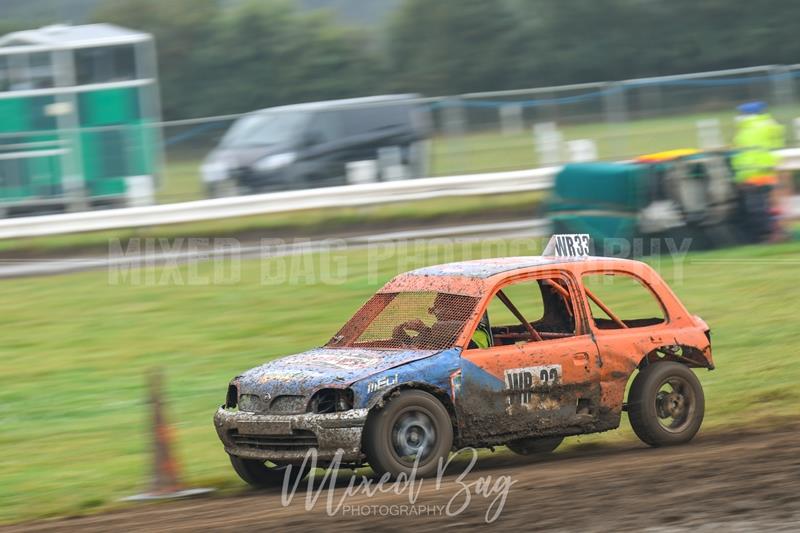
[455, 131]
[782, 92]
[511, 119]
[709, 134]
[616, 112]
[548, 140]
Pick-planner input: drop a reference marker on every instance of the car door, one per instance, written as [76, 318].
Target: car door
[629, 321]
[536, 379]
[325, 146]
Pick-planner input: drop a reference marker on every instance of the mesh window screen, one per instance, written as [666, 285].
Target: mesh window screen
[419, 320]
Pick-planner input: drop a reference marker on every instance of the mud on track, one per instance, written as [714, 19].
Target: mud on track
[725, 482]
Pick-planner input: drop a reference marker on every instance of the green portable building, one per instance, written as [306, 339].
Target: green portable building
[79, 117]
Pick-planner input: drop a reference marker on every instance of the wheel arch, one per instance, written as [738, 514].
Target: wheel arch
[686, 354]
[376, 403]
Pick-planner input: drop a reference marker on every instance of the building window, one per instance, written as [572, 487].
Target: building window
[105, 65]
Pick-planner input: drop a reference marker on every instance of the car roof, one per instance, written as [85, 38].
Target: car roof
[475, 277]
[330, 104]
[486, 268]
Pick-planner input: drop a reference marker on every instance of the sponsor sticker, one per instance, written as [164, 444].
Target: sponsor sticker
[382, 383]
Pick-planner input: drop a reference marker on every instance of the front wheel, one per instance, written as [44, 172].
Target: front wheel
[666, 404]
[262, 475]
[412, 429]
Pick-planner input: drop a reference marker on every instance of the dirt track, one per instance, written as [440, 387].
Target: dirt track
[733, 482]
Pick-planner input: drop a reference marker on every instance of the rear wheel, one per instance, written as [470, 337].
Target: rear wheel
[666, 404]
[413, 428]
[533, 447]
[261, 474]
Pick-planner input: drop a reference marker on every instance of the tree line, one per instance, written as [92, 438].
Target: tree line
[226, 57]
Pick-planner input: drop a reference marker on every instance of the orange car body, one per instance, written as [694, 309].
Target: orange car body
[594, 365]
[563, 374]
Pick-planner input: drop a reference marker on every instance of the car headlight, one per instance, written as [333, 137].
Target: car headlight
[331, 401]
[276, 161]
[214, 171]
[232, 397]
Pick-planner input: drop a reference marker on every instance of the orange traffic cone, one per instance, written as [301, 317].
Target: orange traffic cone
[166, 472]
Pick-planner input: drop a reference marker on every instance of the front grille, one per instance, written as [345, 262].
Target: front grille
[252, 403]
[288, 405]
[299, 440]
[281, 405]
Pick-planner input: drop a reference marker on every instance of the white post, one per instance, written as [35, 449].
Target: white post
[362, 172]
[390, 162]
[140, 191]
[709, 134]
[547, 140]
[582, 150]
[511, 119]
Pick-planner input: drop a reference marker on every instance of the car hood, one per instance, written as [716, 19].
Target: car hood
[304, 373]
[244, 156]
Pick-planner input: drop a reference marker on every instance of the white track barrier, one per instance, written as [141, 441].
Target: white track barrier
[281, 202]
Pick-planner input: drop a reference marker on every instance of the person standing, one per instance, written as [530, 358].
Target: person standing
[754, 163]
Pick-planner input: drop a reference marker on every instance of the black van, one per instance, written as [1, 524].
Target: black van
[309, 145]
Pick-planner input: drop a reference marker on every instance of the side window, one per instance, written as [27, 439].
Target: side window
[528, 311]
[371, 119]
[621, 301]
[41, 70]
[324, 127]
[5, 74]
[21, 72]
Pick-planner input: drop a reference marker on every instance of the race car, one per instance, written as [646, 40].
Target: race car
[516, 351]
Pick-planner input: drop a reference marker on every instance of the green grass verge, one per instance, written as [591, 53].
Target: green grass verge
[469, 209]
[76, 350]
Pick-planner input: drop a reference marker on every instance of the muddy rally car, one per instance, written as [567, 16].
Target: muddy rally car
[517, 351]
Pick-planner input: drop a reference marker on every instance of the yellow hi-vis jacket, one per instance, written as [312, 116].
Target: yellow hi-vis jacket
[756, 138]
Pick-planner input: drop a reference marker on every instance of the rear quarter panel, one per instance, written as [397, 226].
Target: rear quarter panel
[681, 337]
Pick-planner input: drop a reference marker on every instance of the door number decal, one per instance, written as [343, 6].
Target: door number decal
[520, 381]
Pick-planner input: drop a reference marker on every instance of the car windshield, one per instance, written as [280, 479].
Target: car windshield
[423, 320]
[264, 128]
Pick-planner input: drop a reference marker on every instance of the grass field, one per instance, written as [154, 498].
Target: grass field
[76, 350]
[313, 222]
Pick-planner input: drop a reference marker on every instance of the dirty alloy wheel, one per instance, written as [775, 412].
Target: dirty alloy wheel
[533, 446]
[412, 427]
[262, 474]
[666, 404]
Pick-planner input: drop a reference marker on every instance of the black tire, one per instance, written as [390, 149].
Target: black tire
[410, 421]
[662, 417]
[259, 475]
[534, 447]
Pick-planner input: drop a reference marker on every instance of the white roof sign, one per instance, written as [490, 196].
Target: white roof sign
[569, 245]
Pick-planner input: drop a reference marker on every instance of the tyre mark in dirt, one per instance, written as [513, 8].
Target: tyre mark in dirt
[724, 482]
